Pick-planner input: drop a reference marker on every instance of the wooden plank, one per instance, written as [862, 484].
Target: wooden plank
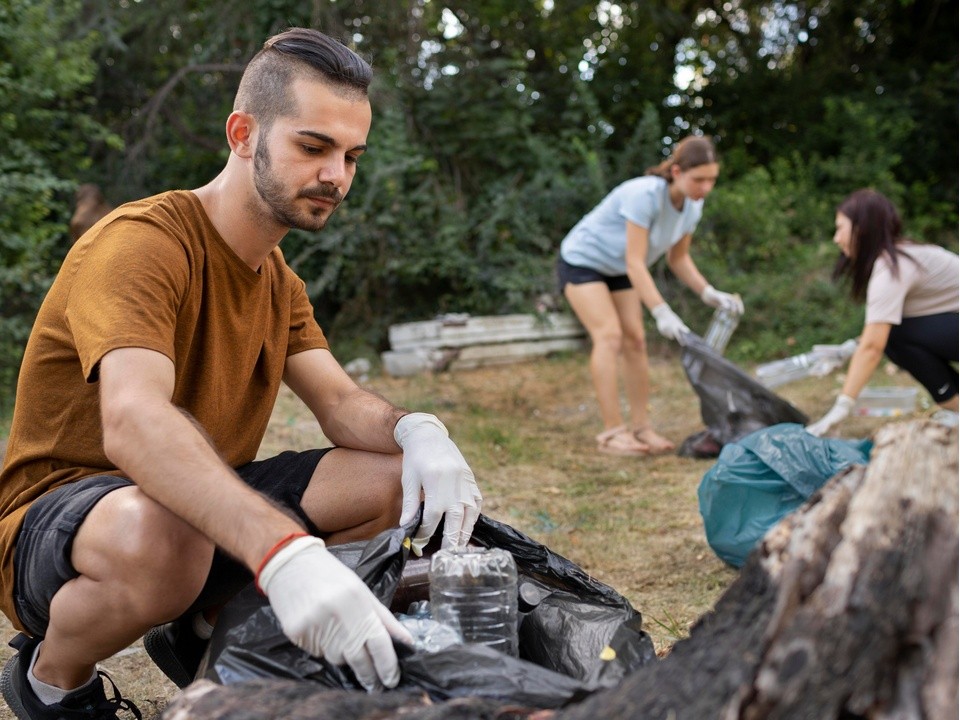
[401, 363]
[505, 353]
[461, 331]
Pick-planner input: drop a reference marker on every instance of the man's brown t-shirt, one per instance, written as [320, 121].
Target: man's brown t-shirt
[153, 274]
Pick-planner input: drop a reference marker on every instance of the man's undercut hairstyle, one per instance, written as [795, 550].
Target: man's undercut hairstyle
[264, 90]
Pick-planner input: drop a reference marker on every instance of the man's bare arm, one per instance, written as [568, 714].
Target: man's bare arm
[432, 464]
[172, 461]
[349, 415]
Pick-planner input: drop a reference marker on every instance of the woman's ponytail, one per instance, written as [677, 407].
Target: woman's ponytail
[692, 151]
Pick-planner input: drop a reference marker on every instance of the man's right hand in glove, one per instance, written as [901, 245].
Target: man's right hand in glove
[327, 610]
[669, 323]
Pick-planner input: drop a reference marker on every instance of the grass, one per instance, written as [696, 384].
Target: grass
[527, 430]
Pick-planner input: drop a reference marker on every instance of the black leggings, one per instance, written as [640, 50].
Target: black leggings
[926, 347]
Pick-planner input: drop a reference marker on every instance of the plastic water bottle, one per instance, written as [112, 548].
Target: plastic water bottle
[474, 590]
[428, 634]
[780, 372]
[820, 361]
[721, 328]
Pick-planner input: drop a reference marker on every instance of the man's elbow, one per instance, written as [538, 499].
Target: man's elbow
[113, 439]
[119, 420]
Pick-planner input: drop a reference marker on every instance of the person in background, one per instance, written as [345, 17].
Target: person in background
[911, 293]
[90, 207]
[131, 500]
[603, 271]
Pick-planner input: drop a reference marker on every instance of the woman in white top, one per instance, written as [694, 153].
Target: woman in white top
[911, 292]
[603, 273]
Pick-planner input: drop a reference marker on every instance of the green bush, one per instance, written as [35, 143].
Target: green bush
[43, 135]
[744, 228]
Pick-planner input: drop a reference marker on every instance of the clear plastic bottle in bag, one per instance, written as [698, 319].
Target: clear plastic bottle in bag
[721, 327]
[428, 634]
[475, 591]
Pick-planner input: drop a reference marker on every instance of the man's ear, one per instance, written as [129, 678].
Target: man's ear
[241, 127]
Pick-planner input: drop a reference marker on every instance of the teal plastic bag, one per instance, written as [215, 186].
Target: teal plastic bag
[760, 478]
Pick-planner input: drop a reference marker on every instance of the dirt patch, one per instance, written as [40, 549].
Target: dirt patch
[527, 430]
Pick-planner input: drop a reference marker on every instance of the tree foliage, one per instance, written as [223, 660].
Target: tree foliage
[768, 74]
[498, 123]
[44, 129]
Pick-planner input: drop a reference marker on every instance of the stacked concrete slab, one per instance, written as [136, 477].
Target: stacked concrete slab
[459, 341]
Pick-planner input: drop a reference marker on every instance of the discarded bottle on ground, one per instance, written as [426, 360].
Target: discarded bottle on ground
[475, 591]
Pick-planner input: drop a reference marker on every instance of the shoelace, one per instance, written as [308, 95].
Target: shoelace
[114, 704]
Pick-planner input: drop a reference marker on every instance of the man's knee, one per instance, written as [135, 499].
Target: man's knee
[392, 489]
[355, 494]
[132, 539]
[384, 494]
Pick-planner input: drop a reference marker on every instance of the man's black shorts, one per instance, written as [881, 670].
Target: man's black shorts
[42, 555]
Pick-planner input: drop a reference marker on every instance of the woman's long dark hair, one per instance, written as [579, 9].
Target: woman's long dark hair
[875, 230]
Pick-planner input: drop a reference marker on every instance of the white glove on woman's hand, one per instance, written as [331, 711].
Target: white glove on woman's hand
[433, 464]
[668, 322]
[840, 410]
[325, 609]
[726, 301]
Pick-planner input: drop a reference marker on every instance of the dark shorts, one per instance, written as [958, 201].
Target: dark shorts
[42, 555]
[576, 275]
[926, 347]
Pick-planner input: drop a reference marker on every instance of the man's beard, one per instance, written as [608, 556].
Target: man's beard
[284, 211]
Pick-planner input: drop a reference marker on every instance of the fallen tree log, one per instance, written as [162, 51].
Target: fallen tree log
[847, 610]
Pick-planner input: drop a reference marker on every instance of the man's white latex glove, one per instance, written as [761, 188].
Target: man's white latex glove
[840, 410]
[669, 323]
[325, 609]
[722, 300]
[433, 464]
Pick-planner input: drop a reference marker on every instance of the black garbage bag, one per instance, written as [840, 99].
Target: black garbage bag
[576, 634]
[569, 622]
[732, 404]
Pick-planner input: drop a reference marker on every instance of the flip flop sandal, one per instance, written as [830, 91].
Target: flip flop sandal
[620, 441]
[656, 443]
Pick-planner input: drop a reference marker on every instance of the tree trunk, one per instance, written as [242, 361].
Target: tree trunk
[847, 610]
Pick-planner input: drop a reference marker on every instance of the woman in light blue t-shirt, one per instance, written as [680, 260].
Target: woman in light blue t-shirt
[603, 273]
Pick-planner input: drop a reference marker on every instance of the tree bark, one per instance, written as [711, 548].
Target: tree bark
[847, 609]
